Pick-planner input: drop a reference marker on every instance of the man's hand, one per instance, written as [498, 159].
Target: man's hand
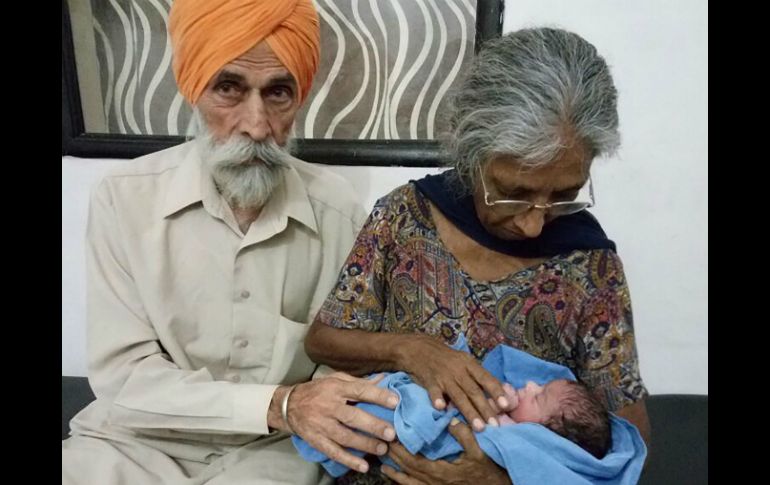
[319, 413]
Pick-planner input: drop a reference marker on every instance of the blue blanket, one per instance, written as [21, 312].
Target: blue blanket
[530, 452]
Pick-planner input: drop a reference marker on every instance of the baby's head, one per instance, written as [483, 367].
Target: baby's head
[567, 408]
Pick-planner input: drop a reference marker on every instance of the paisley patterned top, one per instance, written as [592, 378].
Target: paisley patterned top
[573, 309]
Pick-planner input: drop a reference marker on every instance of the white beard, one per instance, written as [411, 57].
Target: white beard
[245, 171]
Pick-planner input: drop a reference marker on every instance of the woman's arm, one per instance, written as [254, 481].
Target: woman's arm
[611, 364]
[446, 374]
[636, 413]
[347, 332]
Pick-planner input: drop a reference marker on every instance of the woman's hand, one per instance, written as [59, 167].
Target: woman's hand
[472, 467]
[450, 374]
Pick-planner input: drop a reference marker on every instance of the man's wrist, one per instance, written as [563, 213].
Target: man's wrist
[274, 418]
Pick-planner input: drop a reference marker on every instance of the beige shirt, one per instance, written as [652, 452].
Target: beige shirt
[192, 324]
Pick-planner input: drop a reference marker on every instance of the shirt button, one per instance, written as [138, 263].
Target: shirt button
[241, 343]
[245, 294]
[235, 378]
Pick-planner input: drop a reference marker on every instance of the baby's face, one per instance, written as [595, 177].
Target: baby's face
[534, 403]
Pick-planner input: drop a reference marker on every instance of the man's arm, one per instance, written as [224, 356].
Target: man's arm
[152, 395]
[128, 365]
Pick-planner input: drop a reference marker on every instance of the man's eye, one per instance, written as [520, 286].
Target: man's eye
[227, 88]
[280, 92]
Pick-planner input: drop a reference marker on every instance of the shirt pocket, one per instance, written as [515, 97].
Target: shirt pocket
[289, 363]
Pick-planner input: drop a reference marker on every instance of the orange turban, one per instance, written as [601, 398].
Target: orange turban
[207, 34]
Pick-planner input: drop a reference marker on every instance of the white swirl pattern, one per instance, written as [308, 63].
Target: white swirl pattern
[386, 67]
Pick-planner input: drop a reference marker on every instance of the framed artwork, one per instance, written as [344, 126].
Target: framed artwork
[379, 97]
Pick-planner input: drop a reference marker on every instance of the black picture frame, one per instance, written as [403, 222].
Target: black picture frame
[406, 153]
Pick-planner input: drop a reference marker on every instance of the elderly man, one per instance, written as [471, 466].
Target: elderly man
[205, 264]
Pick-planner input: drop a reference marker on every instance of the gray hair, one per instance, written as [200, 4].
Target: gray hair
[530, 94]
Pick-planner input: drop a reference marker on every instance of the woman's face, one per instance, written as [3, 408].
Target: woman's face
[505, 178]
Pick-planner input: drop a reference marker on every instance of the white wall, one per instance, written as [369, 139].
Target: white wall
[652, 199]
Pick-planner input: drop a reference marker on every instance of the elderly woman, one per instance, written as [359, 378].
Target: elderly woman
[499, 248]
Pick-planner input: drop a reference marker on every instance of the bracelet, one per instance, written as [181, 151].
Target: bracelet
[285, 409]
